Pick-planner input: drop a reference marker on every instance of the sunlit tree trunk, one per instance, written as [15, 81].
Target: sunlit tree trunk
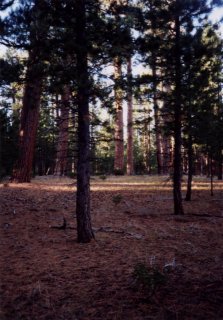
[84, 229]
[62, 143]
[119, 140]
[130, 164]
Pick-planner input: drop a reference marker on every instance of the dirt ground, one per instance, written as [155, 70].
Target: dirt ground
[46, 274]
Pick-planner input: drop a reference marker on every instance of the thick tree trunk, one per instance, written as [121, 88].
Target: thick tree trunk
[32, 92]
[29, 120]
[62, 144]
[178, 207]
[84, 229]
[190, 169]
[130, 164]
[119, 140]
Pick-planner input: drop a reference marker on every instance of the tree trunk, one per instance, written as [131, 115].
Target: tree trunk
[178, 207]
[62, 144]
[130, 165]
[147, 147]
[32, 92]
[73, 137]
[119, 141]
[84, 229]
[166, 154]
[220, 167]
[211, 175]
[158, 137]
[29, 120]
[190, 169]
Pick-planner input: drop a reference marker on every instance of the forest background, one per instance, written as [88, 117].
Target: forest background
[111, 126]
[68, 73]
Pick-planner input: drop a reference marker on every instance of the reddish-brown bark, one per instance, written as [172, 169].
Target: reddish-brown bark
[119, 141]
[62, 144]
[29, 121]
[32, 92]
[130, 164]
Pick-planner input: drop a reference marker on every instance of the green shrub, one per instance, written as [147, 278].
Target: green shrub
[148, 278]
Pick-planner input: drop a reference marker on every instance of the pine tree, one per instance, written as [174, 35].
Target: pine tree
[84, 229]
[33, 88]
[130, 163]
[62, 143]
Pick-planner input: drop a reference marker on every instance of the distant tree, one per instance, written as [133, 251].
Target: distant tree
[208, 114]
[63, 136]
[119, 132]
[130, 156]
[10, 72]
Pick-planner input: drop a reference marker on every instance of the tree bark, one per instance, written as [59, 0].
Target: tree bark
[84, 229]
[130, 163]
[147, 147]
[119, 140]
[158, 137]
[62, 144]
[178, 207]
[211, 174]
[29, 120]
[190, 169]
[166, 154]
[32, 92]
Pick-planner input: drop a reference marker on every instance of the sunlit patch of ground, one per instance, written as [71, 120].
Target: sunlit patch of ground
[45, 274]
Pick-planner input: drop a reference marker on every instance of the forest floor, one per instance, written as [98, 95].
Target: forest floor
[145, 263]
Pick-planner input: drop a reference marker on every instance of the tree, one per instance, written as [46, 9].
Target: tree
[84, 229]
[120, 49]
[32, 91]
[178, 207]
[62, 143]
[130, 164]
[10, 71]
[119, 135]
[207, 125]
